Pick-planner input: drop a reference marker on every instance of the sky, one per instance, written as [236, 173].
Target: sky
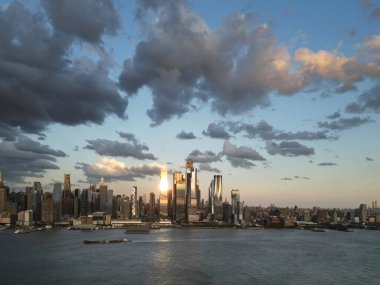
[281, 98]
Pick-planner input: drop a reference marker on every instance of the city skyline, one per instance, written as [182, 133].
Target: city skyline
[281, 99]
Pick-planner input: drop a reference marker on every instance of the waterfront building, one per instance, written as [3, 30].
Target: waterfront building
[163, 206]
[134, 205]
[25, 218]
[237, 213]
[47, 215]
[363, 211]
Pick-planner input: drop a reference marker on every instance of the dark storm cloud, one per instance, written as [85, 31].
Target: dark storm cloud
[369, 159]
[217, 131]
[204, 157]
[241, 156]
[206, 167]
[26, 144]
[86, 19]
[26, 158]
[115, 170]
[114, 148]
[265, 131]
[344, 123]
[367, 102]
[186, 136]
[288, 148]
[327, 164]
[40, 83]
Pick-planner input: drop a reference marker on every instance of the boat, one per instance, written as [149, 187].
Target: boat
[106, 241]
[154, 227]
[141, 229]
[318, 230]
[17, 231]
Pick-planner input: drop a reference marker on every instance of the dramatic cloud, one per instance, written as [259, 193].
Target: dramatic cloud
[86, 19]
[265, 131]
[206, 167]
[367, 102]
[114, 148]
[344, 123]
[40, 83]
[327, 164]
[288, 148]
[216, 131]
[235, 66]
[26, 158]
[186, 136]
[26, 144]
[204, 157]
[113, 169]
[241, 156]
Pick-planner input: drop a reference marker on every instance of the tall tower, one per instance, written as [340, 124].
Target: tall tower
[235, 201]
[103, 195]
[191, 191]
[134, 207]
[67, 197]
[164, 193]
[218, 197]
[66, 182]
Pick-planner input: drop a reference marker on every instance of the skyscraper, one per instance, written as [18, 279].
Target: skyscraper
[215, 198]
[67, 197]
[134, 205]
[191, 192]
[237, 213]
[164, 193]
[363, 213]
[179, 197]
[47, 215]
[152, 204]
[57, 199]
[103, 195]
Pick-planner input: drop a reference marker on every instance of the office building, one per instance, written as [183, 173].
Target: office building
[237, 209]
[134, 205]
[163, 206]
[192, 200]
[103, 195]
[47, 215]
[57, 199]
